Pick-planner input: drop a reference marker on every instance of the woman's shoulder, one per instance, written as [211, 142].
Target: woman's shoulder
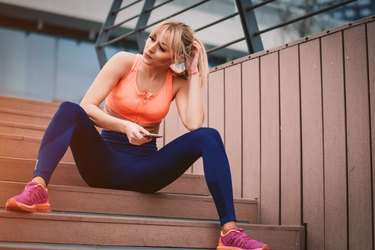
[124, 57]
[121, 62]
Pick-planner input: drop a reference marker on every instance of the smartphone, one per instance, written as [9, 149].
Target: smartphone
[153, 135]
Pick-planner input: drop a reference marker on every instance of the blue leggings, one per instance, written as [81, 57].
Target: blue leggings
[108, 160]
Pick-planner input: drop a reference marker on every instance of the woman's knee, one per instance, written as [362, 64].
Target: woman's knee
[69, 109]
[206, 133]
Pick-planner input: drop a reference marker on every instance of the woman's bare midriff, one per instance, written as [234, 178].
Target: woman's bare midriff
[151, 127]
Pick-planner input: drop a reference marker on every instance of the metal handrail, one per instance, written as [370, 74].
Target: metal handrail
[149, 25]
[134, 17]
[305, 16]
[126, 6]
[245, 9]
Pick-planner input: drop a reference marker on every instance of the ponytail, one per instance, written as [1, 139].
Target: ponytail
[203, 63]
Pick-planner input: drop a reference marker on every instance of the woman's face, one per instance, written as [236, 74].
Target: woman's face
[157, 51]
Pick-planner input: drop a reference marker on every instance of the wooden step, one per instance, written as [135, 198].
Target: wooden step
[21, 169]
[104, 230]
[22, 129]
[24, 147]
[46, 246]
[119, 202]
[24, 116]
[28, 105]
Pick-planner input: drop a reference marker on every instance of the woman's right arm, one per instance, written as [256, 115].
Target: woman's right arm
[116, 67]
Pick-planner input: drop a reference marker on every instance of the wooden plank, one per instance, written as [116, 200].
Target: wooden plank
[173, 127]
[334, 142]
[312, 144]
[371, 67]
[251, 129]
[270, 164]
[69, 199]
[290, 137]
[171, 124]
[198, 165]
[216, 101]
[358, 139]
[117, 232]
[233, 126]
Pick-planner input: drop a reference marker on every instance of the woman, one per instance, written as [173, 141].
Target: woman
[138, 90]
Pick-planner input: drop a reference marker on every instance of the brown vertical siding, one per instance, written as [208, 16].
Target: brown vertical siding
[251, 129]
[171, 123]
[233, 126]
[216, 101]
[299, 129]
[312, 143]
[270, 153]
[371, 67]
[335, 202]
[198, 165]
[290, 137]
[174, 127]
[358, 139]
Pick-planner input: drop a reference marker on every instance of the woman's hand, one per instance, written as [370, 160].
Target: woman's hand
[136, 134]
[192, 65]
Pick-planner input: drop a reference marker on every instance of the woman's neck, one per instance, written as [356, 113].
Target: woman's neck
[152, 72]
[150, 79]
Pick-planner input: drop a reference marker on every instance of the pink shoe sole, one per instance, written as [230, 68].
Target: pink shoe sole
[13, 205]
[265, 247]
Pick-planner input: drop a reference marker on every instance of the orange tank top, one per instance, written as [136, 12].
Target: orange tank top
[140, 107]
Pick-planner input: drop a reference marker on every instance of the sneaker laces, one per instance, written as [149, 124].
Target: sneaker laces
[33, 193]
[240, 238]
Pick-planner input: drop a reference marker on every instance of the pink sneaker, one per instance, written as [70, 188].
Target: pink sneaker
[34, 198]
[236, 239]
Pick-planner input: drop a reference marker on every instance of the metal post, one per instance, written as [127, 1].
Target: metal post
[249, 25]
[104, 33]
[142, 21]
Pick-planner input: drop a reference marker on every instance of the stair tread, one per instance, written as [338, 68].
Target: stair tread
[20, 169]
[14, 145]
[18, 103]
[166, 205]
[68, 228]
[31, 113]
[50, 246]
[23, 125]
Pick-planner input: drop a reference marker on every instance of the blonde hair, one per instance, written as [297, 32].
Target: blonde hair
[180, 38]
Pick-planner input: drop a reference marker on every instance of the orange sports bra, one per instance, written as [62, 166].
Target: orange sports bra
[140, 107]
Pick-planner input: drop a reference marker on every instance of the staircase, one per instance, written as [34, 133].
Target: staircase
[181, 216]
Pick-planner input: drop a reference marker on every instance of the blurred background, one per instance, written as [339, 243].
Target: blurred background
[47, 47]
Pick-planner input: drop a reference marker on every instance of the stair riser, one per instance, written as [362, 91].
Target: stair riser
[96, 230]
[104, 201]
[46, 246]
[20, 147]
[28, 105]
[29, 132]
[42, 120]
[21, 170]
[106, 233]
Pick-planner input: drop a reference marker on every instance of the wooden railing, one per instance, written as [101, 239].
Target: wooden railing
[299, 129]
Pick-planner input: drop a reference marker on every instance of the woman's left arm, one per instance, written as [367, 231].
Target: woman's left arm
[189, 97]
